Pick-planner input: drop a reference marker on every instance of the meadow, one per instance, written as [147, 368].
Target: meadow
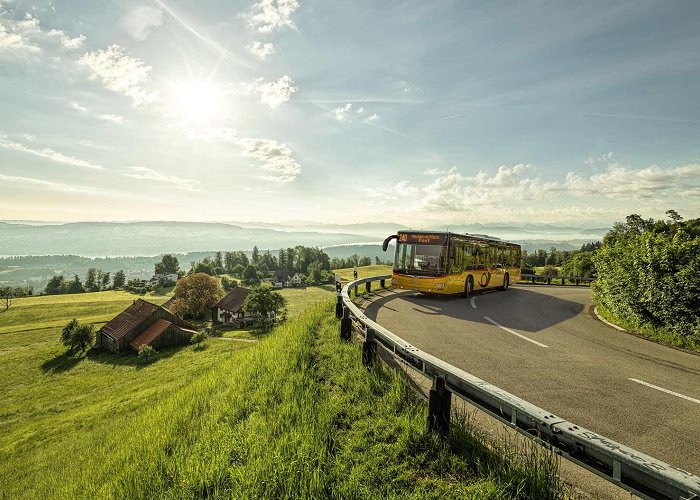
[293, 415]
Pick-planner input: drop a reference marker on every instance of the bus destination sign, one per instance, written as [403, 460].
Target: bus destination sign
[423, 238]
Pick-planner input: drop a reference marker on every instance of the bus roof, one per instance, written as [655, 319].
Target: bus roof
[481, 237]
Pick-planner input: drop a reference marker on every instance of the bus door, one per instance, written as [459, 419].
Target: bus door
[497, 266]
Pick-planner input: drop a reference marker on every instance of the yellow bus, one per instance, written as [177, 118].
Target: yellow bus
[450, 263]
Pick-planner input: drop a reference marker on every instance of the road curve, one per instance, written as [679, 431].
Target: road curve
[545, 345]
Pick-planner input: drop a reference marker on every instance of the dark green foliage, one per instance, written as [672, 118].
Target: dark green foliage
[146, 352]
[76, 336]
[649, 276]
[264, 305]
[580, 265]
[75, 286]
[56, 285]
[250, 275]
[228, 283]
[119, 279]
[168, 265]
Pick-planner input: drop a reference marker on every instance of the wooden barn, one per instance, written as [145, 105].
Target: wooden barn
[230, 309]
[144, 323]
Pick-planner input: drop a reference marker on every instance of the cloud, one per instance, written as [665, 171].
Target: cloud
[275, 158]
[140, 21]
[25, 36]
[152, 175]
[48, 153]
[270, 15]
[47, 185]
[344, 114]
[111, 118]
[261, 50]
[274, 93]
[78, 107]
[120, 73]
[224, 134]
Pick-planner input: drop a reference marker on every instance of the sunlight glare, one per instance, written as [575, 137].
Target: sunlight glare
[197, 101]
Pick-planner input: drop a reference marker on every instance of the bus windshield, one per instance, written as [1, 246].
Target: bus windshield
[426, 260]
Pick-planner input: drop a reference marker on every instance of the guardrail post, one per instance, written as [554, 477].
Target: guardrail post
[577, 281]
[346, 325]
[382, 283]
[339, 307]
[368, 286]
[357, 292]
[439, 407]
[549, 280]
[369, 348]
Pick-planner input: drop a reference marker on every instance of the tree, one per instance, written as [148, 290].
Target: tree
[250, 275]
[91, 284]
[75, 286]
[238, 270]
[365, 261]
[56, 285]
[77, 336]
[7, 296]
[255, 257]
[146, 352]
[195, 294]
[265, 305]
[314, 272]
[105, 281]
[119, 279]
[168, 265]
[228, 283]
[218, 260]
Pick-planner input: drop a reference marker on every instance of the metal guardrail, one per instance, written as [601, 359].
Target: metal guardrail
[573, 280]
[632, 470]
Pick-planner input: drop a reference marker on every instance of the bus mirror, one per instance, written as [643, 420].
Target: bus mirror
[385, 245]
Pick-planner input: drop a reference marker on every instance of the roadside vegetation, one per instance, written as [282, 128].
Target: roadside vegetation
[296, 415]
[649, 278]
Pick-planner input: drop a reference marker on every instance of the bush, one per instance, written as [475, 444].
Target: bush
[77, 336]
[146, 352]
[199, 338]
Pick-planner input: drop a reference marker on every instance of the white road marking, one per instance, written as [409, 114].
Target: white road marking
[513, 332]
[471, 301]
[683, 396]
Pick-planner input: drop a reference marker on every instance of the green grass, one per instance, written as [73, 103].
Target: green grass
[295, 415]
[363, 272]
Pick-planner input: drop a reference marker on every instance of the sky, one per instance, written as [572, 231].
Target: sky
[412, 112]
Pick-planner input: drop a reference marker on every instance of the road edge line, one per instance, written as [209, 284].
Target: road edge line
[609, 323]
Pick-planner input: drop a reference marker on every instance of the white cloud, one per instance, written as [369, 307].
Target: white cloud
[274, 93]
[342, 113]
[76, 106]
[25, 36]
[261, 50]
[111, 118]
[47, 185]
[140, 21]
[275, 158]
[153, 175]
[66, 41]
[269, 15]
[120, 73]
[48, 153]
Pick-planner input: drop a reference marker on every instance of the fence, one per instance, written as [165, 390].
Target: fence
[573, 280]
[630, 469]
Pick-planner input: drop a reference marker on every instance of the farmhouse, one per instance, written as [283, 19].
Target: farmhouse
[144, 323]
[280, 278]
[230, 308]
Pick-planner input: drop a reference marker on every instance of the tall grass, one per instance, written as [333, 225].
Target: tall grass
[294, 416]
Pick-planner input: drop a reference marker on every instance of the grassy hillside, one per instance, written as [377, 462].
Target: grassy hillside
[295, 415]
[363, 272]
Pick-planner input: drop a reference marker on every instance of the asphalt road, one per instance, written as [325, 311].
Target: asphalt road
[545, 345]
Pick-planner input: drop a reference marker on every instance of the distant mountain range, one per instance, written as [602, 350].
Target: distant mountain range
[100, 239]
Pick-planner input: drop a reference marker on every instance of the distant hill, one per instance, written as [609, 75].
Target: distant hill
[93, 239]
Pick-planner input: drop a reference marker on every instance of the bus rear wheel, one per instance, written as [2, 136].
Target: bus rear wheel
[468, 287]
[506, 282]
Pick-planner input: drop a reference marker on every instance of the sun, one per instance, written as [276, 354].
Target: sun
[197, 101]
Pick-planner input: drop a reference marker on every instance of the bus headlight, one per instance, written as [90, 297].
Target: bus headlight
[394, 282]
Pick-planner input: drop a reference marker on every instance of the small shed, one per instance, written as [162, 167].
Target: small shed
[144, 323]
[230, 309]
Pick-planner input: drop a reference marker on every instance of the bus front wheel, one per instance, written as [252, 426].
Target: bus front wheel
[468, 287]
[506, 282]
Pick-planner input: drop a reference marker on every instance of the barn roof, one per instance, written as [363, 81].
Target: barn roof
[129, 319]
[234, 300]
[151, 333]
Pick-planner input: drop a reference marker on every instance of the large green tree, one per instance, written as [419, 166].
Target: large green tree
[196, 294]
[265, 305]
[168, 265]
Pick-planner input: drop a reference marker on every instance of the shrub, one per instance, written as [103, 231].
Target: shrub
[146, 352]
[77, 336]
[199, 338]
